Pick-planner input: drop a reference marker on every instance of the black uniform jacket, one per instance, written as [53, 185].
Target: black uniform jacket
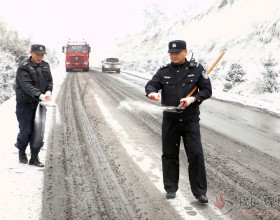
[176, 81]
[32, 80]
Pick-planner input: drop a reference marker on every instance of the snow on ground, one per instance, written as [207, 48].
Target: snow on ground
[21, 184]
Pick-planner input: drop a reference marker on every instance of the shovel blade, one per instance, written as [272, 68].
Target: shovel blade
[48, 104]
[174, 110]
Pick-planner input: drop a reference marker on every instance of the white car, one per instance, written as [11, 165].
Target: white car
[111, 64]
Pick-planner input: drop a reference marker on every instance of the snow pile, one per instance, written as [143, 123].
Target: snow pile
[249, 72]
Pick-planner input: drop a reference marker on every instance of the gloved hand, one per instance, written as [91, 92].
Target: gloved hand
[44, 97]
[187, 101]
[49, 94]
[154, 96]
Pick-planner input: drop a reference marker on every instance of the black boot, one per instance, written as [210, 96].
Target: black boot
[34, 160]
[202, 198]
[22, 157]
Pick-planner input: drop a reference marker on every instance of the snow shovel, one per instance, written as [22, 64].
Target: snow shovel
[181, 107]
[39, 127]
[39, 123]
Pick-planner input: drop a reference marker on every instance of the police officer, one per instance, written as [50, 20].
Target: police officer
[34, 83]
[176, 80]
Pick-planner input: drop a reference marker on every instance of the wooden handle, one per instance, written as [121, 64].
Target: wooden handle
[208, 71]
[215, 63]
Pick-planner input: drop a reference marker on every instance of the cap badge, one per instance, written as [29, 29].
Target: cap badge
[41, 48]
[173, 45]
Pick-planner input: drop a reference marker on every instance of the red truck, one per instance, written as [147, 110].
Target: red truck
[77, 55]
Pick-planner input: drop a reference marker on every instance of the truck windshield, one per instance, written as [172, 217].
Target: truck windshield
[76, 48]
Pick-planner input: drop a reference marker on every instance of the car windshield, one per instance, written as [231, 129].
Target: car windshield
[112, 60]
[76, 48]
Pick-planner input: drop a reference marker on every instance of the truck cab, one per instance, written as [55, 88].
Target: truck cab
[76, 56]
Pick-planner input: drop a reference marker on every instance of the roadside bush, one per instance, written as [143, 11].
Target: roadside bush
[235, 75]
[10, 42]
[268, 82]
[12, 50]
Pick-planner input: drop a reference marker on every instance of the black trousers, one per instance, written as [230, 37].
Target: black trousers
[31, 120]
[172, 131]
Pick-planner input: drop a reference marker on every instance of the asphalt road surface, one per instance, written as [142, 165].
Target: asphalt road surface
[104, 156]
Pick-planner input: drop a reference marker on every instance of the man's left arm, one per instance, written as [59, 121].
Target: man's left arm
[204, 86]
[49, 86]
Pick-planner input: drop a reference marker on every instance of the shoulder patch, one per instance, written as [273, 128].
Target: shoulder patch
[45, 63]
[165, 65]
[25, 63]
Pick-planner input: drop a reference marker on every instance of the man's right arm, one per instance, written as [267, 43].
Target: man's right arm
[24, 81]
[154, 85]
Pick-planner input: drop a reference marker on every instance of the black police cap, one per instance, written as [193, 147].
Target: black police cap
[38, 48]
[176, 46]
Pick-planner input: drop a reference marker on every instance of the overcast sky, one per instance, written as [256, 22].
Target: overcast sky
[52, 22]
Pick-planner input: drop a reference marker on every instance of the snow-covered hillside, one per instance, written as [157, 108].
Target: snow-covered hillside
[249, 33]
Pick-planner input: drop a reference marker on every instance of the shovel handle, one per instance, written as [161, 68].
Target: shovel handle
[207, 72]
[215, 63]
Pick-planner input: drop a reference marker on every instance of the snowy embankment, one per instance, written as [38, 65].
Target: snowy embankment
[21, 184]
[249, 72]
